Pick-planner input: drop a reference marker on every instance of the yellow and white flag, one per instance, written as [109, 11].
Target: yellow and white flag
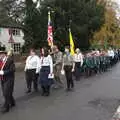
[72, 46]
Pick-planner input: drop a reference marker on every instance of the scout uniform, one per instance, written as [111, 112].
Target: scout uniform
[68, 66]
[57, 67]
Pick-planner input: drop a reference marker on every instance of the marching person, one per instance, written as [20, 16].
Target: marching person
[57, 58]
[111, 55]
[32, 69]
[7, 77]
[97, 52]
[46, 72]
[78, 59]
[68, 66]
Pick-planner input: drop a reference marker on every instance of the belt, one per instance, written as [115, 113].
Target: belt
[32, 69]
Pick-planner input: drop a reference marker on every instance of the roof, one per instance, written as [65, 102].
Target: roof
[10, 24]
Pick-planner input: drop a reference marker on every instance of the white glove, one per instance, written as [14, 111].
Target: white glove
[24, 69]
[1, 72]
[73, 70]
[51, 76]
[62, 72]
[37, 71]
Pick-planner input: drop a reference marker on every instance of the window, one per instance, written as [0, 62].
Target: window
[16, 32]
[16, 47]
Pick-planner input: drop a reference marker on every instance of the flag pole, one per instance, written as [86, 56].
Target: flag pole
[50, 30]
[70, 22]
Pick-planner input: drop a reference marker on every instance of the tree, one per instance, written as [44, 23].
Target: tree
[32, 26]
[109, 33]
[3, 14]
[12, 9]
[87, 16]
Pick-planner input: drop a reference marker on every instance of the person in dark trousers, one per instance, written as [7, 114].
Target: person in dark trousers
[68, 66]
[111, 55]
[7, 77]
[32, 69]
[45, 72]
[78, 59]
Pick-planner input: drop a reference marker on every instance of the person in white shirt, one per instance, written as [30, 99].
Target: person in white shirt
[46, 72]
[97, 52]
[78, 59]
[32, 69]
[111, 55]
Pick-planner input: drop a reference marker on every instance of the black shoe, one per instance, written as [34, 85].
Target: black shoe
[43, 94]
[12, 105]
[36, 90]
[68, 89]
[72, 87]
[5, 110]
[77, 78]
[47, 94]
[29, 91]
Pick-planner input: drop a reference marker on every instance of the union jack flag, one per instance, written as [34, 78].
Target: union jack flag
[50, 31]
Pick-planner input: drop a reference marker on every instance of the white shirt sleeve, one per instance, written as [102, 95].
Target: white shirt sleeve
[111, 53]
[74, 57]
[108, 53]
[26, 63]
[38, 64]
[81, 57]
[51, 64]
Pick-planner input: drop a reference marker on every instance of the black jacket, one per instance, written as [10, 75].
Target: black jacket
[9, 69]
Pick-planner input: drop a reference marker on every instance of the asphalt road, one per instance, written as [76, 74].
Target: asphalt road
[94, 98]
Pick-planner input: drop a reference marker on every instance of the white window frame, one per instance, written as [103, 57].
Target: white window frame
[16, 47]
[16, 32]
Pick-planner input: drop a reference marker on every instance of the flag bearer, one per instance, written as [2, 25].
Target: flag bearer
[7, 76]
[57, 58]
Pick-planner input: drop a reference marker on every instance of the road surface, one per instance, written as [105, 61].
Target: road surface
[94, 98]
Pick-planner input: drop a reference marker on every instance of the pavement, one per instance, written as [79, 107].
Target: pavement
[94, 98]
